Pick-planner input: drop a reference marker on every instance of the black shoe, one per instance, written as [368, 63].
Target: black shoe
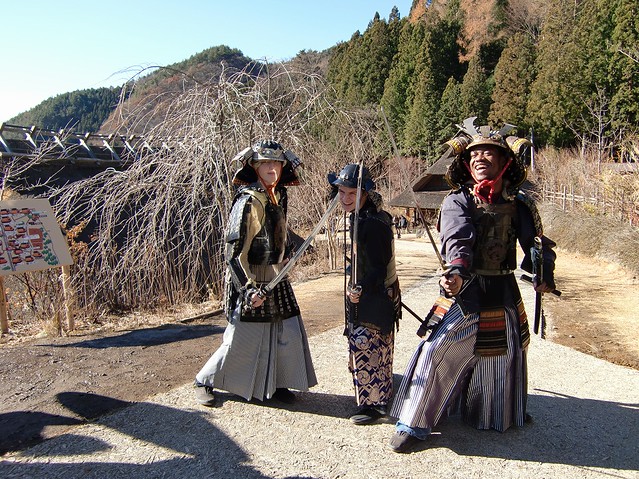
[204, 394]
[367, 415]
[403, 442]
[284, 395]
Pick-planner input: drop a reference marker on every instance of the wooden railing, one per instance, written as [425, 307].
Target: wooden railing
[613, 205]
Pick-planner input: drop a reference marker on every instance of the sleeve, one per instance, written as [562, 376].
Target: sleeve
[252, 216]
[457, 232]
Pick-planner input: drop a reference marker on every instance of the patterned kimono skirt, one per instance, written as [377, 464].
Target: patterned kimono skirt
[371, 364]
[445, 371]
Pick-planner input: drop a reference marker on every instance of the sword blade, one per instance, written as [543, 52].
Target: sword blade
[354, 245]
[303, 247]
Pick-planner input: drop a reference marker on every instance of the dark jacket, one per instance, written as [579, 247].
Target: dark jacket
[376, 271]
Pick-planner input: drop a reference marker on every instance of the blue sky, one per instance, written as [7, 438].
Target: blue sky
[50, 48]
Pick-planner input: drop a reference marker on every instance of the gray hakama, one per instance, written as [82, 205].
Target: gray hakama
[256, 358]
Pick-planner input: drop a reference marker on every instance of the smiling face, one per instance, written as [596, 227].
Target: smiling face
[348, 198]
[486, 162]
[268, 172]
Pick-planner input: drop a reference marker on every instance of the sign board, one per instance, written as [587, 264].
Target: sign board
[30, 237]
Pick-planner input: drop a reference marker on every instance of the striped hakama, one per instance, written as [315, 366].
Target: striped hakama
[445, 368]
[256, 358]
[371, 364]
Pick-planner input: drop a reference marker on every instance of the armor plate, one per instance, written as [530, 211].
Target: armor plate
[495, 248]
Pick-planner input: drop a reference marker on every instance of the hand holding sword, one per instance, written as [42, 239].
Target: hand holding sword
[537, 280]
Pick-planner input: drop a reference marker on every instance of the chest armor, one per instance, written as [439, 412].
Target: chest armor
[495, 250]
[269, 244]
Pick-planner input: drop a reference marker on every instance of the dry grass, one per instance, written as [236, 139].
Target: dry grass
[590, 230]
[593, 235]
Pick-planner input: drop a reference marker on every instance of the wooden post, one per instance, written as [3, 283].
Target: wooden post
[68, 296]
[4, 317]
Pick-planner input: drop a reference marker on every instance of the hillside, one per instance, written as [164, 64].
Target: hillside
[83, 110]
[104, 109]
[151, 95]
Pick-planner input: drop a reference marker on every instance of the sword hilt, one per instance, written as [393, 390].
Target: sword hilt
[355, 289]
[248, 306]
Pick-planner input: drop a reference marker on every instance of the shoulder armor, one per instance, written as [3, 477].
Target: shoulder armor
[527, 201]
[236, 226]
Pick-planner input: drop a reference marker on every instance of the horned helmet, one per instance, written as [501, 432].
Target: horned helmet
[513, 147]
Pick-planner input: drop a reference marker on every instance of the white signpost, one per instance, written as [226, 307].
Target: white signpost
[31, 240]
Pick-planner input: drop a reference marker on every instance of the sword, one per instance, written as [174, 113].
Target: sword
[264, 290]
[417, 317]
[354, 287]
[457, 297]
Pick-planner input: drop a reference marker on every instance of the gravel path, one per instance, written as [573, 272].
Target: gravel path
[585, 410]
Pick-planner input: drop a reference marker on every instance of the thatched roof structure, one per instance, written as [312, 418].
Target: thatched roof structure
[430, 189]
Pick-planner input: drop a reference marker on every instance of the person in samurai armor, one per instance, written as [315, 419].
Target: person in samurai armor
[372, 301]
[264, 352]
[474, 358]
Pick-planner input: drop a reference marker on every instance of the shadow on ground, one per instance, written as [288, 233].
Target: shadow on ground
[565, 430]
[156, 336]
[199, 448]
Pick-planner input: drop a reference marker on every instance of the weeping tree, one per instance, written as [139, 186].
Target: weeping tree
[154, 232]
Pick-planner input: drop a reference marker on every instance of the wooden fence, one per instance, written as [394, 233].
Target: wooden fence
[616, 206]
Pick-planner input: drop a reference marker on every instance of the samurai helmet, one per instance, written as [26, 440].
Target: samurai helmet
[266, 150]
[513, 147]
[349, 175]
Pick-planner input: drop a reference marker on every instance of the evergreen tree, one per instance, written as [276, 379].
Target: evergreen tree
[399, 86]
[372, 63]
[339, 71]
[358, 69]
[420, 132]
[555, 100]
[446, 38]
[624, 71]
[514, 75]
[475, 92]
[436, 61]
[592, 37]
[82, 110]
[394, 16]
[450, 111]
[592, 84]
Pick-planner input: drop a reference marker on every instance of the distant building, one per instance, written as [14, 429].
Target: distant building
[429, 191]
